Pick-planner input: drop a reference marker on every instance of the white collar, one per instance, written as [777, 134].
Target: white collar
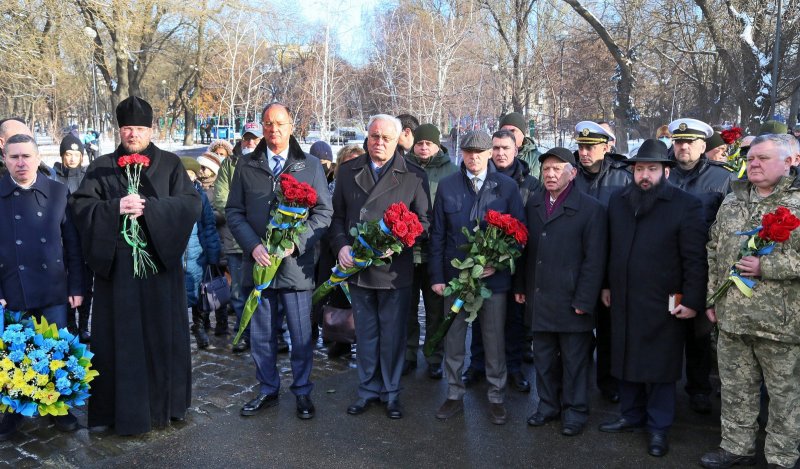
[21, 186]
[284, 155]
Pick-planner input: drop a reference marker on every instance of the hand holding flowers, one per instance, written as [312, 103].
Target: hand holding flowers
[131, 207]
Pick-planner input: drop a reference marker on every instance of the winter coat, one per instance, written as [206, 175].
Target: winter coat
[456, 207]
[437, 167]
[772, 312]
[251, 199]
[221, 189]
[40, 252]
[613, 174]
[651, 257]
[529, 153]
[203, 248]
[358, 198]
[70, 177]
[520, 173]
[564, 263]
[709, 181]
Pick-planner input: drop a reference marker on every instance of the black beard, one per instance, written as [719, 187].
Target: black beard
[642, 201]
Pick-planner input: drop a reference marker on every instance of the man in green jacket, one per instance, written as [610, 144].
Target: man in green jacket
[428, 153]
[251, 136]
[759, 335]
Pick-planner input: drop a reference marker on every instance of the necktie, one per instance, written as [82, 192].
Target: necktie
[475, 185]
[276, 168]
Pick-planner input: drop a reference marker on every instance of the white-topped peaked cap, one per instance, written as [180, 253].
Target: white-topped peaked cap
[591, 133]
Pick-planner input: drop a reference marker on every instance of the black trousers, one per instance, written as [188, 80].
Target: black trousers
[563, 361]
[650, 404]
[605, 382]
[698, 361]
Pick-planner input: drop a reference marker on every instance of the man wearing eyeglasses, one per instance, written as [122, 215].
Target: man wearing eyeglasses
[252, 196]
[365, 187]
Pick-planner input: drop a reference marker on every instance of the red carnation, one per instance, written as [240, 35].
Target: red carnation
[778, 225]
[731, 135]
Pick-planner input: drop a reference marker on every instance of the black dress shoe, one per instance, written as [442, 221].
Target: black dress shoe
[241, 346]
[65, 423]
[610, 396]
[260, 402]
[305, 408]
[9, 425]
[722, 459]
[620, 425]
[538, 419]
[393, 410]
[519, 382]
[409, 366]
[472, 376]
[659, 445]
[435, 371]
[359, 406]
[700, 403]
[571, 429]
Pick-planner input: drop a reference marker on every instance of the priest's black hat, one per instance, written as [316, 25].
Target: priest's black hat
[134, 111]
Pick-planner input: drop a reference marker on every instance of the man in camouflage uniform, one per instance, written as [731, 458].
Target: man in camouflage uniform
[759, 337]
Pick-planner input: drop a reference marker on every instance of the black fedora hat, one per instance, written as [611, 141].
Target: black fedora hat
[652, 151]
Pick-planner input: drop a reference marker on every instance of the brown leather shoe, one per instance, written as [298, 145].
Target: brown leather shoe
[450, 408]
[497, 413]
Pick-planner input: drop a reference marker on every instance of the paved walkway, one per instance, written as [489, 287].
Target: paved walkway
[215, 436]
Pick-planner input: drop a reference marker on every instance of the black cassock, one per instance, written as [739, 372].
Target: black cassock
[140, 327]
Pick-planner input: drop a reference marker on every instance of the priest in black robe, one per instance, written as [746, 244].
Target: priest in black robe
[140, 327]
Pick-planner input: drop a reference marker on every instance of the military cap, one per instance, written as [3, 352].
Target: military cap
[773, 127]
[690, 129]
[476, 140]
[591, 133]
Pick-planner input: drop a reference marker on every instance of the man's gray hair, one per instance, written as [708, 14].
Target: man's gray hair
[386, 117]
[277, 103]
[786, 144]
[22, 138]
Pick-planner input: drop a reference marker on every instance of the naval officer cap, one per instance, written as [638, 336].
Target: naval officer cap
[690, 129]
[591, 133]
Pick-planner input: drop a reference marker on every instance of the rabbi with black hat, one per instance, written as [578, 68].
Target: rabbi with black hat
[656, 253]
[140, 328]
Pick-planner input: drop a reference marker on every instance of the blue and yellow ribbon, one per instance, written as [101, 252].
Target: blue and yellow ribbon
[295, 213]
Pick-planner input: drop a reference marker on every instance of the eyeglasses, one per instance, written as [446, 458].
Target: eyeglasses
[275, 124]
[385, 138]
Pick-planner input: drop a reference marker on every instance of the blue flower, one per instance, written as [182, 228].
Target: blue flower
[63, 384]
[42, 366]
[16, 356]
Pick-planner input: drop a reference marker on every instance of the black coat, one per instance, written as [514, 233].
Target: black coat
[250, 200]
[564, 262]
[456, 207]
[660, 253]
[358, 198]
[709, 181]
[613, 174]
[40, 253]
[70, 177]
[140, 328]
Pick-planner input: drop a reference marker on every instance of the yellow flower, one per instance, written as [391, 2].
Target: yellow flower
[42, 379]
[56, 364]
[6, 364]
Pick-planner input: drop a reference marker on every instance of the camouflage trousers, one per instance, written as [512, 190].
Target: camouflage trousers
[744, 362]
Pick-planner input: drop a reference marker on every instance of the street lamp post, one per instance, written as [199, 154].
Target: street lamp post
[92, 34]
[562, 37]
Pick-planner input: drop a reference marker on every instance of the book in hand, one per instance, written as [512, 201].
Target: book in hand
[674, 300]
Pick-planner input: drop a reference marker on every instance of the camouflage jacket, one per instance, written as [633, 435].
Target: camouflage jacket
[773, 312]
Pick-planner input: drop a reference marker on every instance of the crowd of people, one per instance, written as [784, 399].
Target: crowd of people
[623, 255]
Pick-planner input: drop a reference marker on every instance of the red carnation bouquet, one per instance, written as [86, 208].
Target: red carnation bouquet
[776, 227]
[497, 245]
[398, 228]
[131, 229]
[736, 161]
[287, 223]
